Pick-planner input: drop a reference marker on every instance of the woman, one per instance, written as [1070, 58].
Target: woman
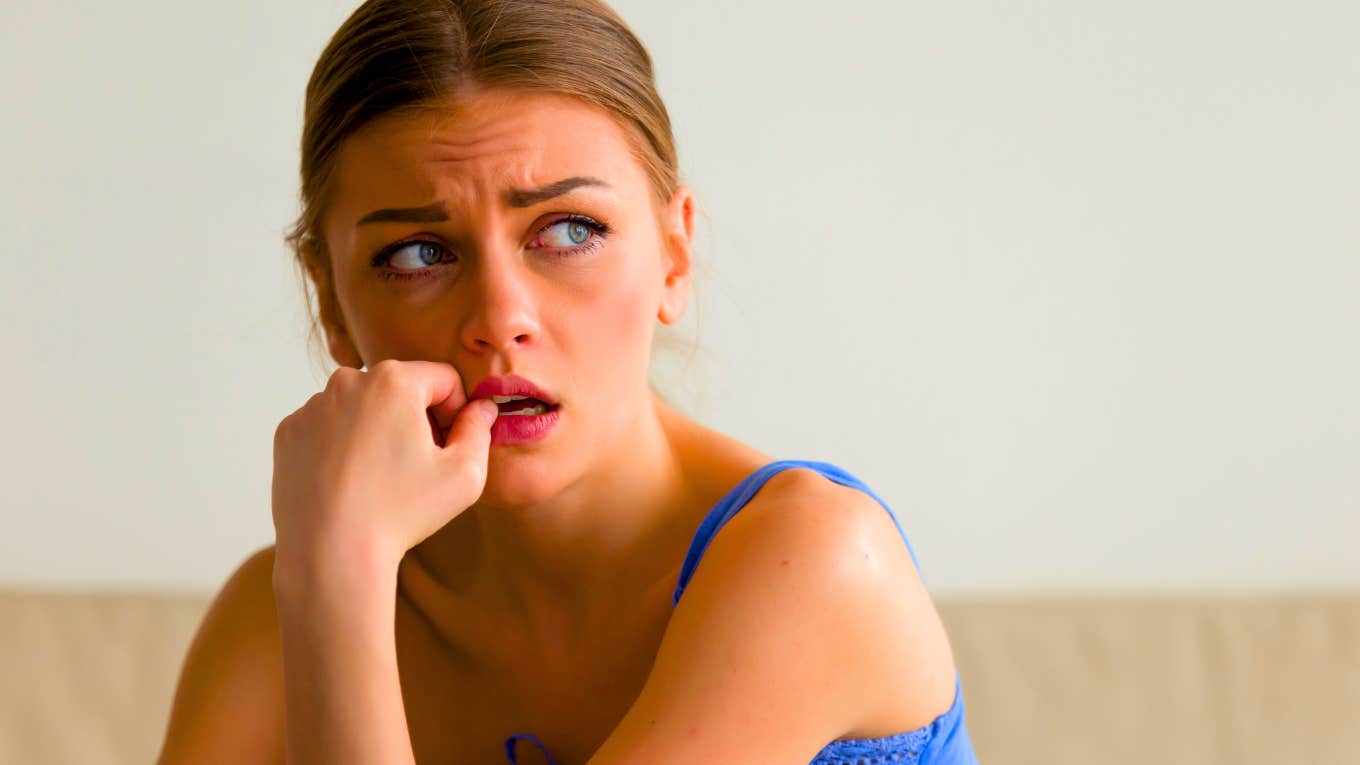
[492, 210]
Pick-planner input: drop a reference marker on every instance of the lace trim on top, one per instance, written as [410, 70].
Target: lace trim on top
[902, 747]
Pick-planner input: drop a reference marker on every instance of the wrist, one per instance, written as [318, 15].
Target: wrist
[333, 571]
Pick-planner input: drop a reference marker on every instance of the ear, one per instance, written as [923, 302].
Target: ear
[338, 341]
[677, 234]
[341, 348]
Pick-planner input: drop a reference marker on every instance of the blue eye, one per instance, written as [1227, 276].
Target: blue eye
[571, 233]
[576, 228]
[426, 253]
[576, 231]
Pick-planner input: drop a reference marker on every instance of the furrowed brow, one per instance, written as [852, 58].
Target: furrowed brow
[430, 213]
[531, 197]
[517, 198]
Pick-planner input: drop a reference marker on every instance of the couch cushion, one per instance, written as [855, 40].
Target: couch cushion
[1141, 680]
[89, 677]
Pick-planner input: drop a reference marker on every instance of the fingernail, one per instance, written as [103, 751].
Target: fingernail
[492, 410]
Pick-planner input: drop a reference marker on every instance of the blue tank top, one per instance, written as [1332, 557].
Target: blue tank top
[942, 742]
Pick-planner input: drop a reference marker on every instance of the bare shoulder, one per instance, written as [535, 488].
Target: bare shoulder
[228, 704]
[857, 552]
[804, 622]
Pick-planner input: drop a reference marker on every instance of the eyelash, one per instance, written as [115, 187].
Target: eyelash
[385, 254]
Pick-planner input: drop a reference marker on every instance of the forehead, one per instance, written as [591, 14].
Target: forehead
[469, 151]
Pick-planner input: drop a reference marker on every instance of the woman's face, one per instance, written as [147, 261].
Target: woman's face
[490, 276]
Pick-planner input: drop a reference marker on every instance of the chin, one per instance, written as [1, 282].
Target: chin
[516, 478]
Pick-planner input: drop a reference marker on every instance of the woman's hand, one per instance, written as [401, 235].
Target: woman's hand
[364, 463]
[363, 473]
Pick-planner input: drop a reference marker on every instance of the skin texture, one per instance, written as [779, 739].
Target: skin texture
[545, 607]
[557, 525]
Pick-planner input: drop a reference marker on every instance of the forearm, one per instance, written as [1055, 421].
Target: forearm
[342, 690]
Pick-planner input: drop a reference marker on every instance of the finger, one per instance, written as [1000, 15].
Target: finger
[441, 389]
[471, 427]
[436, 430]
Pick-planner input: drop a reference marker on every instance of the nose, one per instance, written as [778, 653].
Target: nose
[503, 306]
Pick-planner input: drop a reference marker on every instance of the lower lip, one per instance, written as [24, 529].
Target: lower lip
[524, 428]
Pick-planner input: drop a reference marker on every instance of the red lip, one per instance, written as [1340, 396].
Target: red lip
[511, 385]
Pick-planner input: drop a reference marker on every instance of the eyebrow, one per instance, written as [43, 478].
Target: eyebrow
[518, 198]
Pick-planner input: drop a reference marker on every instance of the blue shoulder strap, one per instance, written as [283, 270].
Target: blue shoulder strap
[510, 747]
[721, 513]
[740, 494]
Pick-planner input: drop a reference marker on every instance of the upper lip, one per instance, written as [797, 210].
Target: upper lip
[511, 385]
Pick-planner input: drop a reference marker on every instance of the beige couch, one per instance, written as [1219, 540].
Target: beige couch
[88, 678]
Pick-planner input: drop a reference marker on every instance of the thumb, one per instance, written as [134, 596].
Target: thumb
[472, 425]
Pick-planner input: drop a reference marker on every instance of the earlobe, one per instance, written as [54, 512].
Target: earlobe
[673, 306]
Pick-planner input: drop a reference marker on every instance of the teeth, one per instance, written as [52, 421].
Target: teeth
[530, 411]
[507, 399]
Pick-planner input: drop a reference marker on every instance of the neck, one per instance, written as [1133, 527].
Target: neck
[611, 533]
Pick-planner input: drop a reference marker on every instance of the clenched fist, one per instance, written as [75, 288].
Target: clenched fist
[366, 461]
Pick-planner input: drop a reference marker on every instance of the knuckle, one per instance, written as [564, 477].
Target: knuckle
[384, 367]
[313, 401]
[282, 430]
[292, 421]
[341, 377]
[387, 375]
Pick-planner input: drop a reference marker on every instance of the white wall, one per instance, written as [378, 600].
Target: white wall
[1073, 285]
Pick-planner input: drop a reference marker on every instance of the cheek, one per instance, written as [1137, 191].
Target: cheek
[635, 299]
[612, 334]
[631, 319]
[628, 308]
